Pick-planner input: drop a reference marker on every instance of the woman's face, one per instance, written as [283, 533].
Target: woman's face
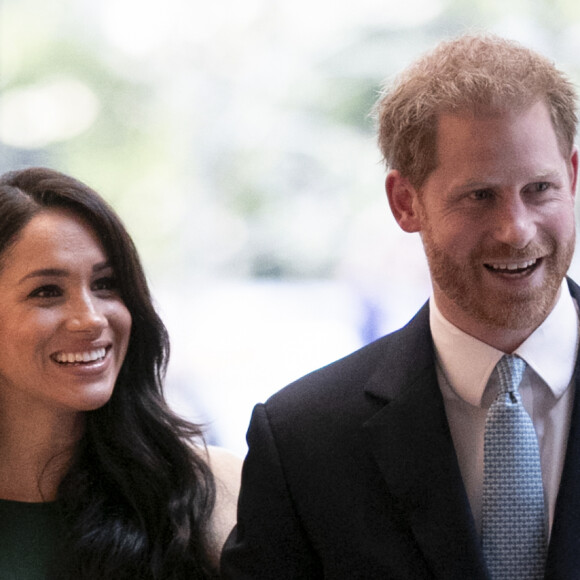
[64, 330]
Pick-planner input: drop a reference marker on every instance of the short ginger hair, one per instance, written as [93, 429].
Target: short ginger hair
[473, 74]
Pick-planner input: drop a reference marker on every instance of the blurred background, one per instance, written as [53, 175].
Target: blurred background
[234, 139]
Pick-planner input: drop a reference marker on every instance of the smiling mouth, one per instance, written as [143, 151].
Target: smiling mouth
[80, 358]
[524, 267]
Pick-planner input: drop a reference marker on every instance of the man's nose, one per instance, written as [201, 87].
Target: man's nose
[514, 222]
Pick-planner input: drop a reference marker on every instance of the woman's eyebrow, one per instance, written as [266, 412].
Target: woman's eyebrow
[60, 272]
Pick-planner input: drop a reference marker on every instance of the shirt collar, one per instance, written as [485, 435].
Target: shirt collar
[550, 350]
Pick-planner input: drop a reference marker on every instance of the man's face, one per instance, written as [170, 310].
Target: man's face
[497, 219]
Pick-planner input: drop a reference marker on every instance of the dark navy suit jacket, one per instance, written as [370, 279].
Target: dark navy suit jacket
[352, 473]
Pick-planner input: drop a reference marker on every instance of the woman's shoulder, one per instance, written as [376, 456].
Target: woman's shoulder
[226, 468]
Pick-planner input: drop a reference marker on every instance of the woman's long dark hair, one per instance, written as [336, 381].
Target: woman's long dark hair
[137, 498]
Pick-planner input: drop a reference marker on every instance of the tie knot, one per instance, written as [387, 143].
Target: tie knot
[510, 369]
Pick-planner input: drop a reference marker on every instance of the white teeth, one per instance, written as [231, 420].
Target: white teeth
[76, 357]
[521, 266]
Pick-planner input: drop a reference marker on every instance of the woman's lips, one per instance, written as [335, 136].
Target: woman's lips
[80, 357]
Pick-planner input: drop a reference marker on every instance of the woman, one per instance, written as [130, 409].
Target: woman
[98, 478]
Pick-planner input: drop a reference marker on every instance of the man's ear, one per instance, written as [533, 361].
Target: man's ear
[404, 200]
[574, 170]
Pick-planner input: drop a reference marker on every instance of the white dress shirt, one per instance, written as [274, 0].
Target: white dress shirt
[464, 367]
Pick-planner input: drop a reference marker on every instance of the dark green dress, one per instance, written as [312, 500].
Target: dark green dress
[29, 533]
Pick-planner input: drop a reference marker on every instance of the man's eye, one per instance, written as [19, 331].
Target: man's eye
[538, 187]
[541, 186]
[481, 194]
[48, 291]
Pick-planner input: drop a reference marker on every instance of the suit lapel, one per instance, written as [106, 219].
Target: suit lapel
[412, 444]
[564, 551]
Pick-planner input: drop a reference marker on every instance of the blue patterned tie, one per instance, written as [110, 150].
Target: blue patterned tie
[513, 521]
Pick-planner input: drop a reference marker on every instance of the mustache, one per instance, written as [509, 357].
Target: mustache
[501, 252]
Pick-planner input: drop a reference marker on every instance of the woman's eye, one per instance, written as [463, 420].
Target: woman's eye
[48, 291]
[105, 283]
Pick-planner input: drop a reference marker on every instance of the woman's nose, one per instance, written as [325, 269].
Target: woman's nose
[86, 316]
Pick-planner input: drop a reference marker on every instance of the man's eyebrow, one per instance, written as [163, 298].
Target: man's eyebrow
[59, 272]
[471, 185]
[547, 176]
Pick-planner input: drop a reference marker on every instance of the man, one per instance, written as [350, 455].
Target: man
[381, 465]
